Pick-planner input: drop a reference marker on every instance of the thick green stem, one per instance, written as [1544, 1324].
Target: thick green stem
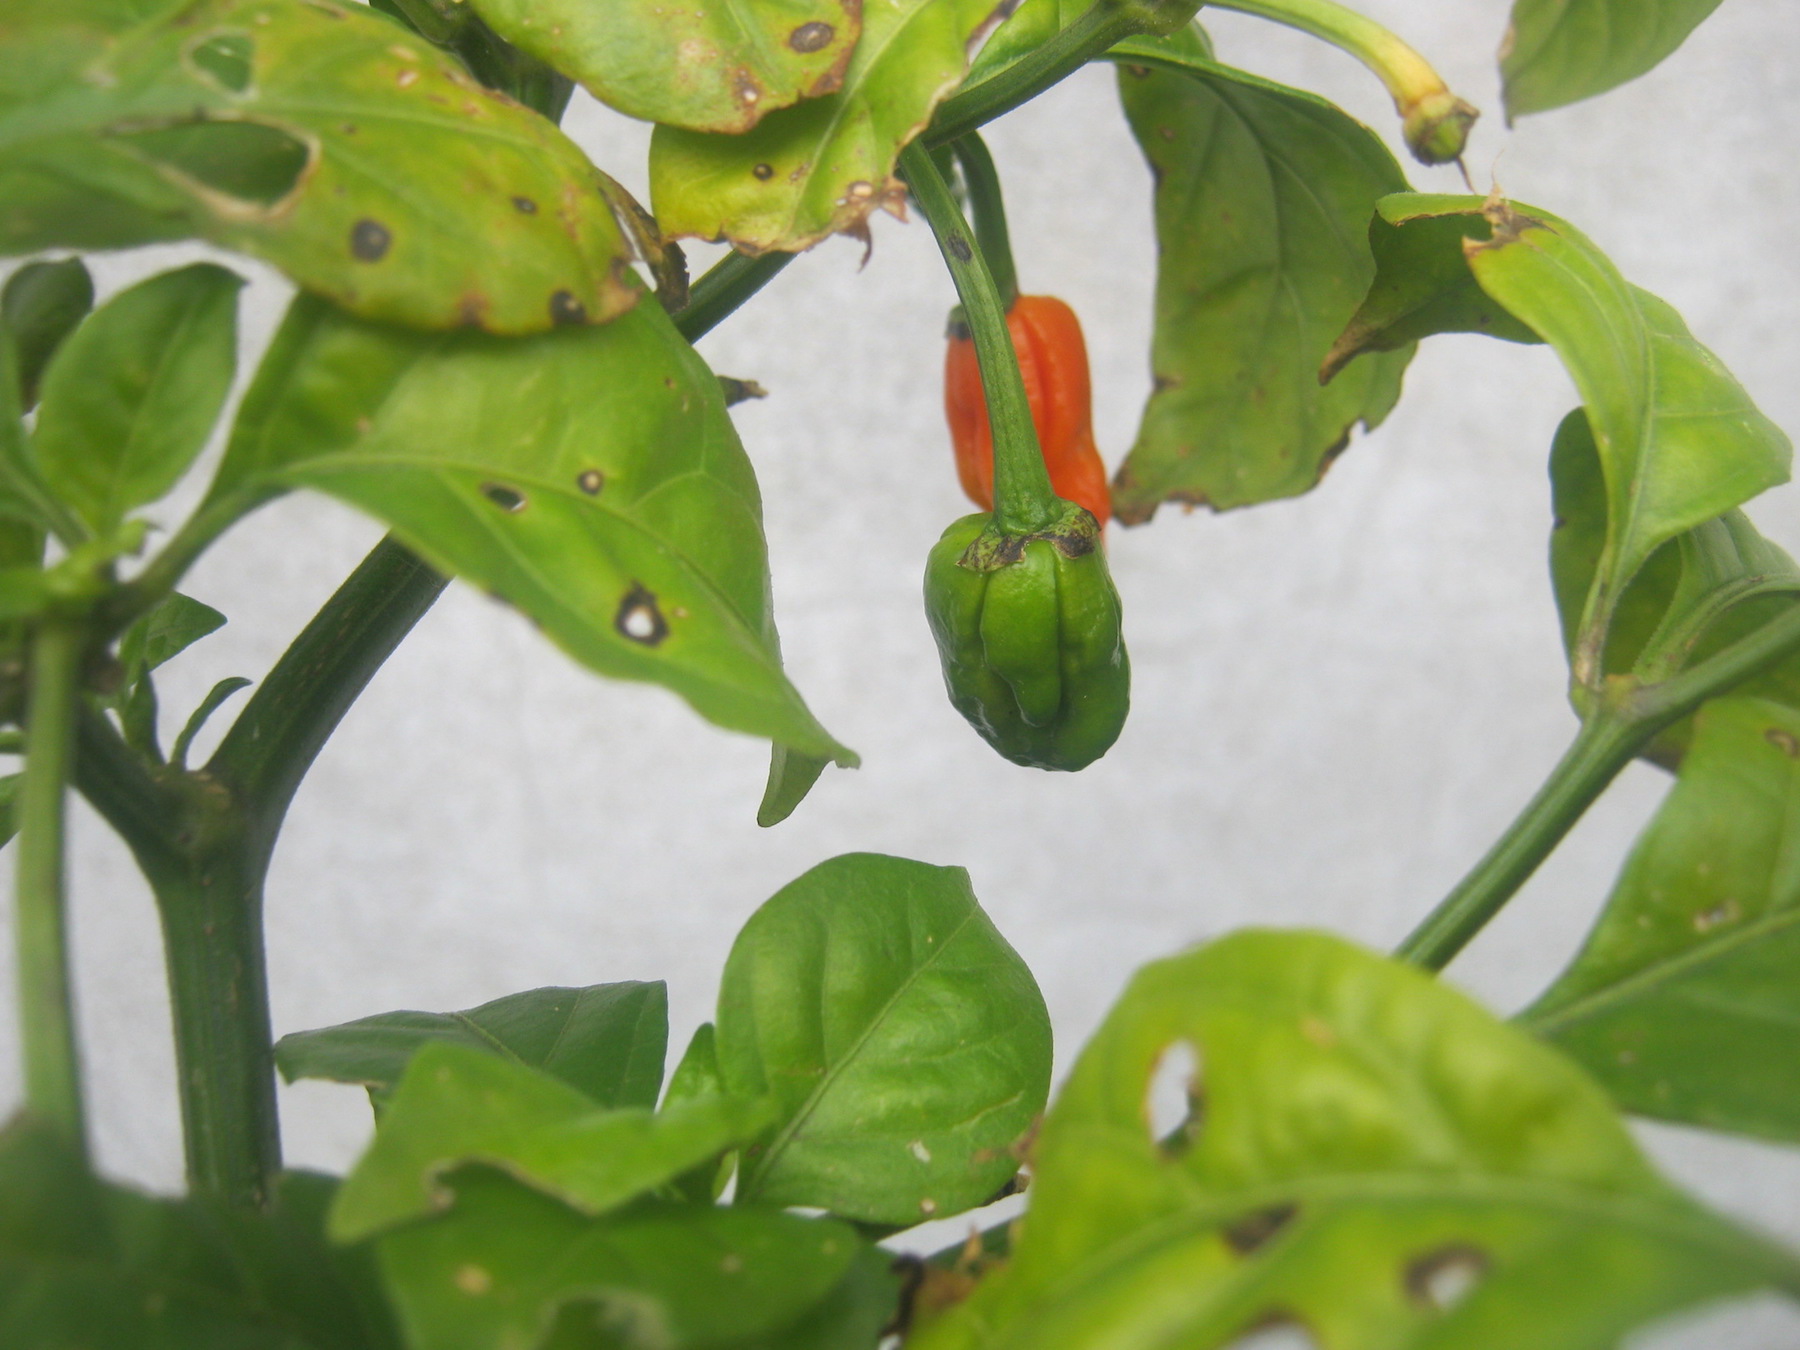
[1023, 500]
[1625, 719]
[40, 918]
[1436, 121]
[727, 284]
[987, 208]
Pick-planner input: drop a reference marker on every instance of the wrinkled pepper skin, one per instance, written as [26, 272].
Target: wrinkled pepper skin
[1028, 631]
[1053, 361]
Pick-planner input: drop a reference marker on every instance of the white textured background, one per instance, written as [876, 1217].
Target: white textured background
[1338, 700]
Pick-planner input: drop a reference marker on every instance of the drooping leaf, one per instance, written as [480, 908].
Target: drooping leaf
[85, 1264]
[606, 1040]
[791, 777]
[1560, 51]
[293, 130]
[41, 304]
[814, 170]
[456, 1105]
[1366, 1156]
[1683, 1000]
[709, 68]
[589, 476]
[214, 700]
[904, 1042]
[509, 1269]
[1262, 199]
[130, 397]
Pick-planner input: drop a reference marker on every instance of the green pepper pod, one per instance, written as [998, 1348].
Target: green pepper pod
[1028, 630]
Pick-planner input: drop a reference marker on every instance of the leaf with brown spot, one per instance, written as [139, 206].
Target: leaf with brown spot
[821, 168]
[294, 130]
[713, 67]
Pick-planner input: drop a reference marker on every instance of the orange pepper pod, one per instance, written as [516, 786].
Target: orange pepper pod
[1053, 362]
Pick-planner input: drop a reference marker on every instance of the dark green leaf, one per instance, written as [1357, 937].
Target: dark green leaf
[590, 476]
[711, 68]
[294, 130]
[456, 1105]
[1683, 1001]
[42, 303]
[214, 700]
[130, 398]
[176, 623]
[904, 1041]
[1560, 51]
[1366, 1156]
[607, 1041]
[508, 1269]
[807, 172]
[1263, 194]
[851, 1317]
[454, 26]
[697, 1076]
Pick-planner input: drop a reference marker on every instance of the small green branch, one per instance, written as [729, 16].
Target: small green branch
[1626, 717]
[1023, 500]
[40, 920]
[987, 208]
[1436, 121]
[727, 284]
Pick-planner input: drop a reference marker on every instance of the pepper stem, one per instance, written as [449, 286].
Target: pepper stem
[987, 208]
[1023, 500]
[1436, 121]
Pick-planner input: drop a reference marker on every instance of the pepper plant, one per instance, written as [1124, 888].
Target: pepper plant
[491, 353]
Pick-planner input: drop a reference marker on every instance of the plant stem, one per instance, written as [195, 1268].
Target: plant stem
[1023, 500]
[1625, 718]
[40, 921]
[1436, 121]
[727, 284]
[987, 208]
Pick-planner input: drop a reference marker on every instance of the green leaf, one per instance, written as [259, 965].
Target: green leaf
[9, 792]
[1262, 194]
[697, 1075]
[710, 68]
[294, 130]
[214, 700]
[1560, 51]
[42, 303]
[1683, 1000]
[130, 398]
[455, 1105]
[903, 1040]
[86, 1264]
[1367, 1155]
[508, 1269]
[176, 623]
[589, 476]
[791, 777]
[807, 172]
[606, 1040]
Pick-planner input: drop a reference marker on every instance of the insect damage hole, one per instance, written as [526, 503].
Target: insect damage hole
[1172, 1098]
[1277, 1331]
[1443, 1278]
[640, 619]
[510, 500]
[224, 60]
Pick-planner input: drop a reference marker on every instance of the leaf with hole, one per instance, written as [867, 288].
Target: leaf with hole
[456, 1105]
[292, 130]
[41, 304]
[130, 398]
[606, 1040]
[1558, 52]
[590, 476]
[509, 1269]
[1683, 1000]
[904, 1042]
[708, 68]
[1262, 194]
[820, 168]
[1364, 1156]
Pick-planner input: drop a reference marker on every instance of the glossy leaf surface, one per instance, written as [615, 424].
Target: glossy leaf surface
[1263, 194]
[1366, 1156]
[1683, 1001]
[41, 304]
[509, 1269]
[814, 170]
[294, 130]
[607, 1041]
[130, 398]
[87, 1264]
[1561, 51]
[456, 1105]
[716, 67]
[590, 476]
[904, 1042]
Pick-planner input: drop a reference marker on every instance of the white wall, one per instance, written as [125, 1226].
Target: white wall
[1338, 700]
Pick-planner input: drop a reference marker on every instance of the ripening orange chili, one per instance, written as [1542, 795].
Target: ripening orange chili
[1053, 361]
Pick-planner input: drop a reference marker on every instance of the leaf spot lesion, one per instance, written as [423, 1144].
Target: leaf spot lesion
[640, 619]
